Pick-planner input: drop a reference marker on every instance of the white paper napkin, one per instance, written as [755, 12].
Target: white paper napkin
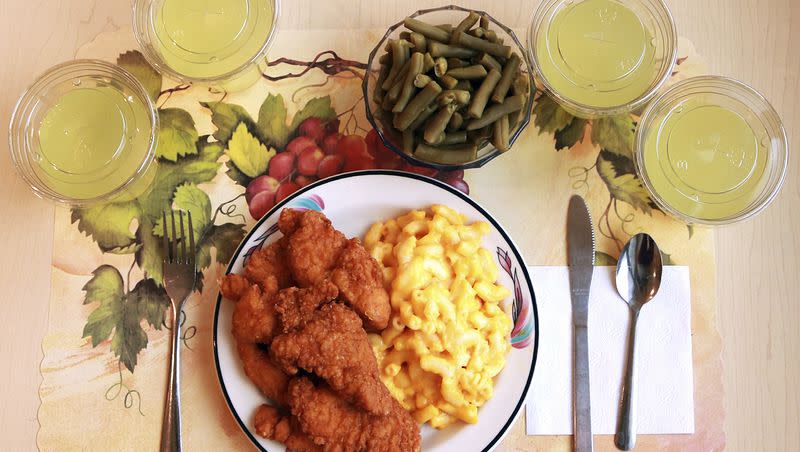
[664, 362]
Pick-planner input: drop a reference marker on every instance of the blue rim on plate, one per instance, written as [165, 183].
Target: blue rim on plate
[514, 415]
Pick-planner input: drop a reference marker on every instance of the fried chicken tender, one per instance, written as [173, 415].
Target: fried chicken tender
[313, 246]
[267, 267]
[268, 378]
[233, 286]
[270, 423]
[296, 306]
[360, 283]
[338, 426]
[334, 346]
[289, 220]
[254, 317]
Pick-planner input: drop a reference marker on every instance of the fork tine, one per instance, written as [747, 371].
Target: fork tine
[183, 240]
[167, 248]
[174, 237]
[191, 237]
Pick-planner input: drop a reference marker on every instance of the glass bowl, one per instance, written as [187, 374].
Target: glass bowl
[711, 150]
[451, 15]
[69, 177]
[229, 59]
[576, 70]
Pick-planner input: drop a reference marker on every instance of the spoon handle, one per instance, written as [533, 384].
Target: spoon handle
[625, 438]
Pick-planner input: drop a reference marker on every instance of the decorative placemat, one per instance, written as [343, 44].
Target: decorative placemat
[104, 367]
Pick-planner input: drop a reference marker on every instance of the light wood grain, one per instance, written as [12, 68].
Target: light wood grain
[758, 261]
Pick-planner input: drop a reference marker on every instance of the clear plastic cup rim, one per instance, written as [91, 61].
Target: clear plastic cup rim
[588, 111]
[19, 148]
[140, 31]
[777, 155]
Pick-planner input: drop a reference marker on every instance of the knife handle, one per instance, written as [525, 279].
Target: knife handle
[581, 395]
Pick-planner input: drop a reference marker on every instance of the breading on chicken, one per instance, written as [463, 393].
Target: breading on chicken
[270, 423]
[334, 346]
[296, 306]
[338, 426]
[313, 248]
[360, 281]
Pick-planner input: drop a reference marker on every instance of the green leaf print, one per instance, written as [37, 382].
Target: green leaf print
[226, 117]
[602, 259]
[189, 197]
[249, 155]
[225, 238]
[549, 116]
[136, 64]
[177, 135]
[571, 135]
[272, 121]
[615, 134]
[618, 174]
[108, 224]
[152, 302]
[318, 107]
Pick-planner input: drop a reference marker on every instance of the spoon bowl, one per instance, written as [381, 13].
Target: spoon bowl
[638, 278]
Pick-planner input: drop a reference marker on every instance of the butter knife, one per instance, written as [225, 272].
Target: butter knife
[580, 255]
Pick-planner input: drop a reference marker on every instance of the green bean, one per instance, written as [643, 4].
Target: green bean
[438, 49]
[446, 27]
[405, 35]
[408, 141]
[458, 137]
[448, 81]
[394, 91]
[480, 135]
[419, 42]
[500, 133]
[491, 36]
[492, 48]
[463, 85]
[494, 112]
[477, 32]
[385, 58]
[414, 68]
[455, 63]
[400, 55]
[427, 63]
[466, 24]
[427, 30]
[421, 80]
[513, 120]
[510, 71]
[440, 66]
[488, 61]
[451, 155]
[415, 106]
[482, 95]
[484, 22]
[452, 96]
[521, 85]
[456, 121]
[438, 123]
[468, 73]
[426, 113]
[379, 92]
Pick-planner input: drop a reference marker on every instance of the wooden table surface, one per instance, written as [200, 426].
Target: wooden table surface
[756, 41]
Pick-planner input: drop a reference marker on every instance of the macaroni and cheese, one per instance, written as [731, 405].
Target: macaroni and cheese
[448, 336]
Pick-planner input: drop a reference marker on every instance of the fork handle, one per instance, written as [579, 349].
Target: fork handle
[171, 428]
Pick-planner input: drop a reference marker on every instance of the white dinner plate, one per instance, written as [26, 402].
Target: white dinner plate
[353, 202]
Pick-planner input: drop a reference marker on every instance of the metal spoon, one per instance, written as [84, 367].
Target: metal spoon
[638, 279]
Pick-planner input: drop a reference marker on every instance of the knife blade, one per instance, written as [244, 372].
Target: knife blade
[580, 256]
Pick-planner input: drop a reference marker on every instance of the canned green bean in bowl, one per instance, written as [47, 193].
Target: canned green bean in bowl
[449, 88]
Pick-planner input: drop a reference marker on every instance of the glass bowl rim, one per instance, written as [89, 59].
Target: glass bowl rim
[768, 111]
[492, 153]
[588, 111]
[140, 33]
[42, 83]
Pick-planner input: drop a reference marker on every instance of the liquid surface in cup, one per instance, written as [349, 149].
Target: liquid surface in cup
[597, 53]
[210, 38]
[92, 139]
[706, 161]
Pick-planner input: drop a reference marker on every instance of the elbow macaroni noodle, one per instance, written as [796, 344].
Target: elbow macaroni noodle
[448, 336]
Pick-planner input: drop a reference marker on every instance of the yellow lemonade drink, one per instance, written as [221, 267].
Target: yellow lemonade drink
[602, 56]
[205, 40]
[85, 132]
[710, 151]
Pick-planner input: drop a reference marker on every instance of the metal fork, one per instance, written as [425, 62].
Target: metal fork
[179, 279]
